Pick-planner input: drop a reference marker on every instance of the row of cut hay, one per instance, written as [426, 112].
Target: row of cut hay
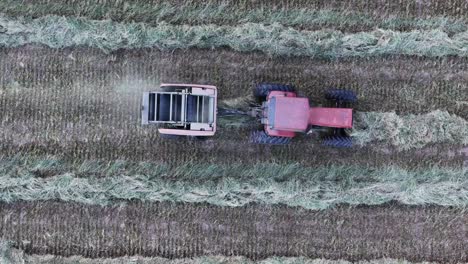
[275, 39]
[11, 255]
[410, 131]
[228, 13]
[94, 182]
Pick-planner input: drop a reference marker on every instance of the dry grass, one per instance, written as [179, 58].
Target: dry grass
[229, 13]
[94, 182]
[410, 131]
[275, 39]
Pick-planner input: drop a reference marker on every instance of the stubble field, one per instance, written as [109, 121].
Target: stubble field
[80, 176]
[257, 232]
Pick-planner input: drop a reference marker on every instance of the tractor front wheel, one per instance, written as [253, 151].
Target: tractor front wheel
[260, 137]
[338, 142]
[263, 89]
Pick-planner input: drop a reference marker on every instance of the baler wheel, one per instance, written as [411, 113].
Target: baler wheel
[338, 142]
[260, 137]
[341, 95]
[171, 137]
[263, 89]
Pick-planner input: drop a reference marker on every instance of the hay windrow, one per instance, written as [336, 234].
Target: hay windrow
[230, 13]
[94, 182]
[410, 131]
[275, 39]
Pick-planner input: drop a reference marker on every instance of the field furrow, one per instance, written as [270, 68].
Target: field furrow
[255, 231]
[401, 84]
[142, 10]
[18, 256]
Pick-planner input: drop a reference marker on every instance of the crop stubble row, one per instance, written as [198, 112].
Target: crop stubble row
[82, 103]
[402, 8]
[256, 231]
[402, 84]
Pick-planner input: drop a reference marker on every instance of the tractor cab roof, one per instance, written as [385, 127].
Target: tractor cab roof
[288, 113]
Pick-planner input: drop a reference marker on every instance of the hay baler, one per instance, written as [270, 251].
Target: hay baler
[181, 109]
[190, 110]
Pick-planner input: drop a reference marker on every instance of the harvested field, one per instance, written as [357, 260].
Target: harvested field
[181, 230]
[80, 178]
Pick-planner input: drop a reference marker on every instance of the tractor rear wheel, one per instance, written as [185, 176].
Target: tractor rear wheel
[338, 142]
[260, 137]
[341, 95]
[263, 89]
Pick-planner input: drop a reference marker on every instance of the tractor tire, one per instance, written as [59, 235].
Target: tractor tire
[338, 142]
[197, 138]
[260, 137]
[263, 89]
[341, 95]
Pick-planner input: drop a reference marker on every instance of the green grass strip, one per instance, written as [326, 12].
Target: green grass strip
[92, 182]
[61, 32]
[228, 13]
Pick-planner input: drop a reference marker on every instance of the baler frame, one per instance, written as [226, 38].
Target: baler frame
[181, 109]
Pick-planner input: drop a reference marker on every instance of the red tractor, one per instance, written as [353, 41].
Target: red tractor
[284, 114]
[190, 110]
